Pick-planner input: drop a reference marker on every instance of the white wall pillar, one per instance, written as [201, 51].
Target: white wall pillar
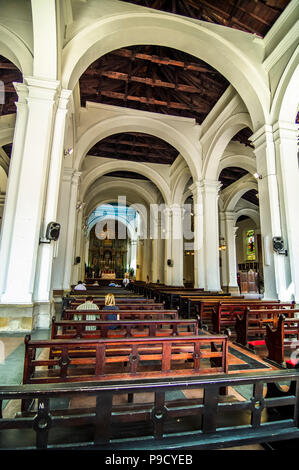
[76, 270]
[209, 194]
[273, 264]
[223, 253]
[231, 257]
[285, 139]
[199, 266]
[9, 213]
[71, 225]
[63, 211]
[25, 230]
[166, 229]
[133, 260]
[43, 280]
[177, 246]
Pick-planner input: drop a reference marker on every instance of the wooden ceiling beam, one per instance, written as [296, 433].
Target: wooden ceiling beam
[151, 101]
[135, 143]
[151, 82]
[162, 60]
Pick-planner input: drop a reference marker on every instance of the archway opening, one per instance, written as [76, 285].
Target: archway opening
[112, 236]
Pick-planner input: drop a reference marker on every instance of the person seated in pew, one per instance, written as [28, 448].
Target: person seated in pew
[126, 281]
[87, 305]
[110, 305]
[80, 286]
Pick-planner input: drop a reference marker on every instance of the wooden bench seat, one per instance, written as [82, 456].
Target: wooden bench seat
[126, 306]
[278, 339]
[224, 314]
[253, 323]
[68, 314]
[69, 329]
[123, 358]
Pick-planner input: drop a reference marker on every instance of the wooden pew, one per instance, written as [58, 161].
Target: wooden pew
[195, 301]
[252, 323]
[124, 358]
[125, 306]
[224, 314]
[277, 342]
[123, 314]
[68, 329]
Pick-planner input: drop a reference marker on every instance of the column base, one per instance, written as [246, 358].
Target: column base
[25, 318]
[234, 290]
[16, 318]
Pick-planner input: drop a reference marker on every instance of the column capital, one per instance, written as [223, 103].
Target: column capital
[263, 135]
[40, 90]
[285, 130]
[22, 92]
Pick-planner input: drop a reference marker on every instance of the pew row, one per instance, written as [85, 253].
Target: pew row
[68, 329]
[278, 339]
[68, 314]
[252, 323]
[82, 360]
[224, 314]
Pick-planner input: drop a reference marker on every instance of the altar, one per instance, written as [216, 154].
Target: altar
[108, 274]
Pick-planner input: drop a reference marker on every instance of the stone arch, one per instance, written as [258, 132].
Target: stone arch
[14, 49]
[181, 178]
[135, 167]
[139, 123]
[221, 139]
[251, 213]
[144, 27]
[286, 98]
[239, 190]
[241, 161]
[132, 234]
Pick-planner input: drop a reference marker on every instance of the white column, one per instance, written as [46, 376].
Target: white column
[223, 253]
[167, 236]
[9, 213]
[133, 260]
[199, 269]
[25, 233]
[210, 190]
[71, 224]
[273, 264]
[139, 260]
[76, 271]
[230, 237]
[42, 291]
[285, 138]
[177, 246]
[63, 211]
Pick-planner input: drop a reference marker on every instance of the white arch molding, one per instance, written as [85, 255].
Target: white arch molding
[193, 37]
[220, 141]
[14, 49]
[251, 213]
[136, 167]
[139, 123]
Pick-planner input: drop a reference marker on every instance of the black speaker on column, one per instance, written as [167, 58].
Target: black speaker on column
[53, 231]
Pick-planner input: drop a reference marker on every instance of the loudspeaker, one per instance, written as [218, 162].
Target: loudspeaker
[77, 260]
[169, 262]
[278, 244]
[53, 230]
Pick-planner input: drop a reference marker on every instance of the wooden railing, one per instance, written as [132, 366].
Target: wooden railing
[189, 423]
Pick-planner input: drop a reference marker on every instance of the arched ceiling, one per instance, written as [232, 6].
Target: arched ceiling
[252, 16]
[230, 175]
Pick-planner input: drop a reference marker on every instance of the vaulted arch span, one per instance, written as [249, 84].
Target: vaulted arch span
[205, 42]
